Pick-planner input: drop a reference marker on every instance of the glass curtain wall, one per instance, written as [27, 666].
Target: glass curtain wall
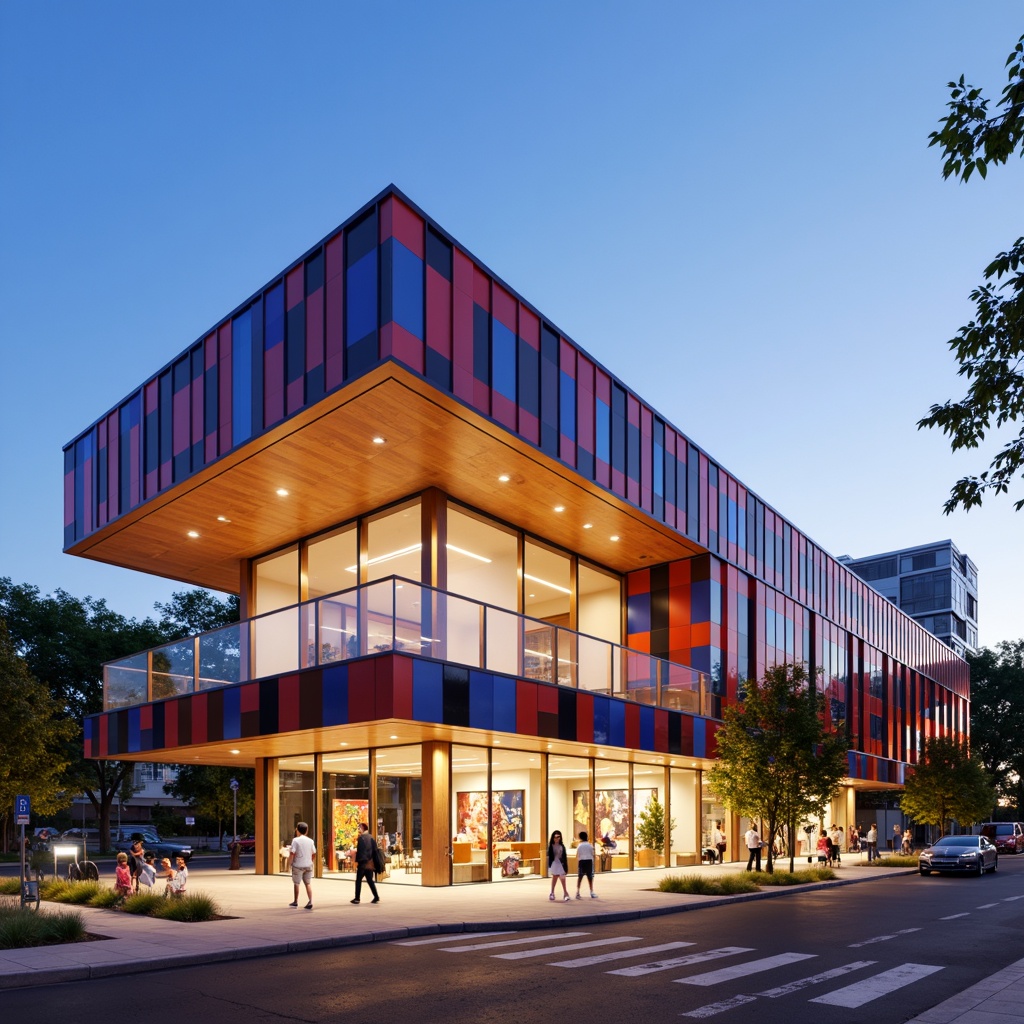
[648, 814]
[345, 791]
[471, 814]
[297, 798]
[713, 816]
[400, 811]
[612, 814]
[275, 636]
[684, 842]
[517, 840]
[569, 795]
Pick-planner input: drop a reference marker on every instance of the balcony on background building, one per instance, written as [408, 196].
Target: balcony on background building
[398, 615]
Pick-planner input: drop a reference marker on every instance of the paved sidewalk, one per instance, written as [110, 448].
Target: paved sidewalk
[261, 919]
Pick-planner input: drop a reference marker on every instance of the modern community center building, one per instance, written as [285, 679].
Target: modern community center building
[486, 590]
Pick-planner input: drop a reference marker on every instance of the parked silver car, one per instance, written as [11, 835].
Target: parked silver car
[962, 854]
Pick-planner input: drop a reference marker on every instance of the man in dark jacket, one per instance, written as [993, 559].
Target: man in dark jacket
[364, 862]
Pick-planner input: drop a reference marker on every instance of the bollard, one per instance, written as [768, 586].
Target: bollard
[235, 849]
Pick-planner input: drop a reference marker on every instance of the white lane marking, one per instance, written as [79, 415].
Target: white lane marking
[815, 979]
[883, 938]
[447, 938]
[988, 906]
[547, 950]
[680, 961]
[862, 992]
[769, 963]
[510, 942]
[619, 954]
[712, 1008]
[953, 917]
[1010, 899]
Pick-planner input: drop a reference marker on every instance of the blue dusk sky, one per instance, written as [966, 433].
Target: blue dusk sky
[730, 205]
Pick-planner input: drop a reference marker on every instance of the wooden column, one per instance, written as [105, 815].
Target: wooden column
[436, 807]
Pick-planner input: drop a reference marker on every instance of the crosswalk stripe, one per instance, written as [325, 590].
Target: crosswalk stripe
[713, 1008]
[524, 954]
[509, 942]
[447, 938]
[988, 906]
[680, 961]
[953, 917]
[619, 954]
[883, 938]
[769, 963]
[1010, 899]
[815, 979]
[861, 992]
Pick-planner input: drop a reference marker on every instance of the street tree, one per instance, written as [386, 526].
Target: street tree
[64, 642]
[776, 762]
[997, 718]
[33, 734]
[990, 348]
[207, 790]
[946, 785]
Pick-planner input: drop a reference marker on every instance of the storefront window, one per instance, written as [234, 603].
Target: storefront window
[650, 819]
[296, 800]
[399, 812]
[471, 814]
[331, 562]
[712, 818]
[346, 802]
[683, 844]
[569, 796]
[517, 839]
[612, 816]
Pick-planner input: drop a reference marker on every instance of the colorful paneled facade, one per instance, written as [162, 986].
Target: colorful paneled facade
[387, 366]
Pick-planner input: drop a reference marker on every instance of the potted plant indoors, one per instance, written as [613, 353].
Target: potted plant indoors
[650, 834]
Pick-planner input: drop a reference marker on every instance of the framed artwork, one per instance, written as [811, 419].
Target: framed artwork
[505, 815]
[611, 811]
[345, 818]
[580, 812]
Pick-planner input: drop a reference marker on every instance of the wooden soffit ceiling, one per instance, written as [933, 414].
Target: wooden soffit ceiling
[326, 460]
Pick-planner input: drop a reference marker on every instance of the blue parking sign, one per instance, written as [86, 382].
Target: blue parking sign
[22, 810]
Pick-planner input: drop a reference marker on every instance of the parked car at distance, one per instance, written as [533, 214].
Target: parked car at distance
[1007, 836]
[962, 854]
[126, 833]
[159, 848]
[246, 844]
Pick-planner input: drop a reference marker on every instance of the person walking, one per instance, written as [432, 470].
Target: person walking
[300, 860]
[364, 858]
[558, 865]
[753, 840]
[835, 834]
[871, 842]
[897, 838]
[585, 865]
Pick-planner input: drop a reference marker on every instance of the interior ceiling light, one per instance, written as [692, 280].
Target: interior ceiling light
[559, 508]
[504, 478]
[544, 583]
[588, 526]
[380, 440]
[223, 519]
[282, 493]
[387, 558]
[468, 554]
[614, 536]
[193, 534]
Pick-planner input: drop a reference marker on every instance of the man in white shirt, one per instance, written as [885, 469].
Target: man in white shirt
[300, 860]
[753, 841]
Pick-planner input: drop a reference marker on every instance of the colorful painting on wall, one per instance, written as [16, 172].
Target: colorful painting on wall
[505, 815]
[346, 815]
[611, 811]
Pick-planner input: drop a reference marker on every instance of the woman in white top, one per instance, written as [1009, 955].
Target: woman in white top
[558, 865]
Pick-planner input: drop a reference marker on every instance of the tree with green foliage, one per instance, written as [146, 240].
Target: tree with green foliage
[946, 785]
[997, 718]
[990, 349]
[33, 734]
[65, 641]
[207, 790]
[776, 763]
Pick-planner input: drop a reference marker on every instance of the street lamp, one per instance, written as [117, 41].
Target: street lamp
[234, 793]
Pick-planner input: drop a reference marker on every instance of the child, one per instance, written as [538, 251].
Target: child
[179, 880]
[147, 874]
[122, 876]
[167, 872]
[585, 865]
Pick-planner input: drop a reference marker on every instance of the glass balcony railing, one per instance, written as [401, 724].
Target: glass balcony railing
[398, 615]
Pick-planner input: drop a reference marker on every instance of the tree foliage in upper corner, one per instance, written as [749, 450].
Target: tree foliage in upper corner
[64, 642]
[947, 785]
[990, 348]
[775, 761]
[33, 733]
[997, 717]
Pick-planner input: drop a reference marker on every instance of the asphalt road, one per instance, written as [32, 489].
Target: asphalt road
[880, 952]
